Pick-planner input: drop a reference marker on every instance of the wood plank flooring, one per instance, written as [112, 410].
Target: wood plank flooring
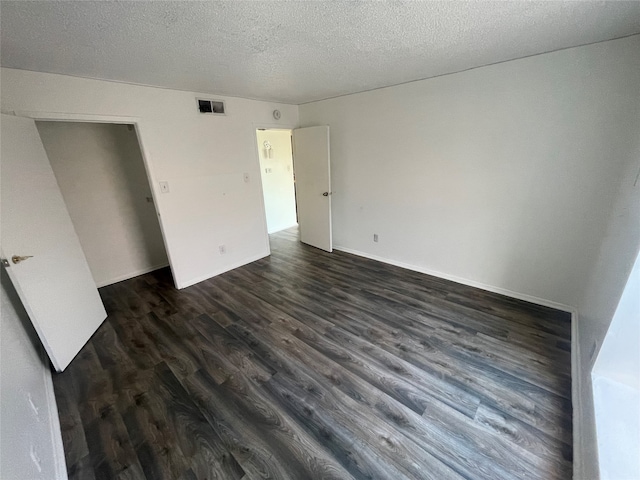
[309, 365]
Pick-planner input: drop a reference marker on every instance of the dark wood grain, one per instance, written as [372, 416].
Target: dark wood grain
[308, 365]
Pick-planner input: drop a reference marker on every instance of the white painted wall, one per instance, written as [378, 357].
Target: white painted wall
[605, 283]
[616, 388]
[619, 357]
[278, 187]
[203, 157]
[102, 178]
[618, 425]
[502, 177]
[30, 438]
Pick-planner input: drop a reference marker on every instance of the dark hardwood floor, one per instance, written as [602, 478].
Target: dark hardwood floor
[308, 365]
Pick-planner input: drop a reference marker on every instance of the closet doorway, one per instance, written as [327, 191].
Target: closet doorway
[101, 174]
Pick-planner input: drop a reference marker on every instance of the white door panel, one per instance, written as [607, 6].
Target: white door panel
[313, 185]
[55, 285]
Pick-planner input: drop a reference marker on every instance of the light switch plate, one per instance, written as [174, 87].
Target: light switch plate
[164, 187]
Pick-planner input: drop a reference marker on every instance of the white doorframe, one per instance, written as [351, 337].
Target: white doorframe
[112, 119]
[266, 126]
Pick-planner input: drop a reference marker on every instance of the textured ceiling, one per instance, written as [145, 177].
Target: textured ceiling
[294, 52]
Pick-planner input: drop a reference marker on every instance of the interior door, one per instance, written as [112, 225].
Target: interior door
[313, 185]
[53, 279]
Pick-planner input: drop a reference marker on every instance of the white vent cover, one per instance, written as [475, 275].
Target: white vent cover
[212, 107]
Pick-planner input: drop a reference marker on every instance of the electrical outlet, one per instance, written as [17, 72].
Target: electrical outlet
[375, 237]
[222, 249]
[164, 187]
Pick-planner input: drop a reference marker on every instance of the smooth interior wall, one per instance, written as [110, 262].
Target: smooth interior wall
[605, 283]
[30, 438]
[102, 178]
[616, 388]
[619, 357]
[276, 168]
[203, 158]
[502, 176]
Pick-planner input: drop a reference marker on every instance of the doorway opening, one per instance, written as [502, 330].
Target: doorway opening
[275, 154]
[296, 182]
[102, 177]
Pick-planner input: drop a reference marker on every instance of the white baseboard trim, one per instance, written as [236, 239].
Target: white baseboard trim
[202, 278]
[54, 422]
[129, 275]
[471, 283]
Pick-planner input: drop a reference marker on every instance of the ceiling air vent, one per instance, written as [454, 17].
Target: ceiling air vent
[213, 107]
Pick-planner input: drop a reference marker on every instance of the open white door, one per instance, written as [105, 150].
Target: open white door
[313, 185]
[53, 280]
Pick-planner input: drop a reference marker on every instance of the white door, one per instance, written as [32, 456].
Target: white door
[54, 283]
[313, 185]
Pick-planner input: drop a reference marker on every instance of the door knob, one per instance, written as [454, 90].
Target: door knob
[18, 259]
[326, 194]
